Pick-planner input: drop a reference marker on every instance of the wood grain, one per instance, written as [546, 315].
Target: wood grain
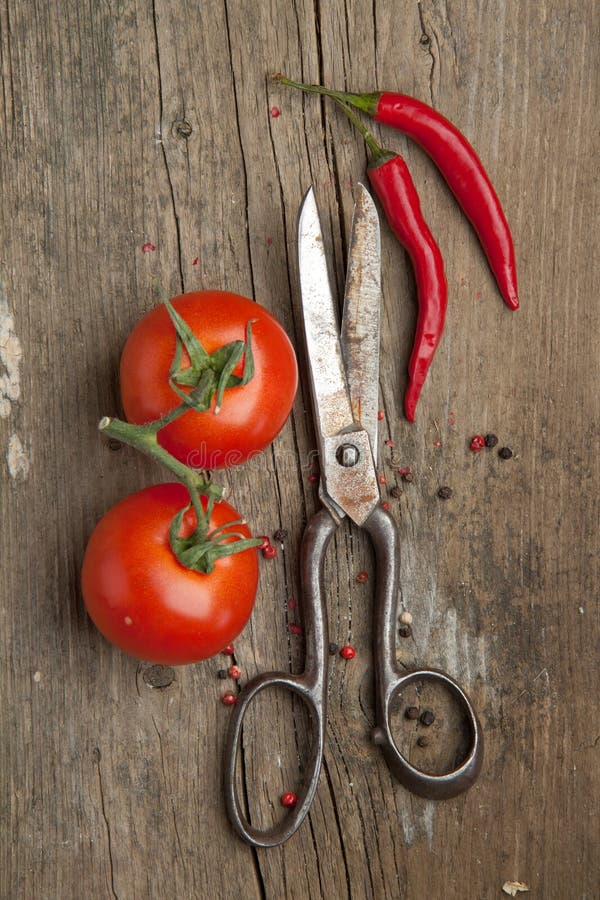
[135, 121]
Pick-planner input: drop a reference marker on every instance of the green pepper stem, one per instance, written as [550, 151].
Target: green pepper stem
[367, 103]
[343, 99]
[375, 148]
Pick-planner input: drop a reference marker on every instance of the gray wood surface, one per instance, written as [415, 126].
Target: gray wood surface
[110, 787]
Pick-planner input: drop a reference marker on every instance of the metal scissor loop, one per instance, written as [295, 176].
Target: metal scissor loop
[344, 380]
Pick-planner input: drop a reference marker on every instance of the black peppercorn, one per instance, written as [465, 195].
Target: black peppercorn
[427, 717]
[445, 492]
[491, 440]
[505, 453]
[411, 712]
[396, 493]
[422, 741]
[405, 631]
[333, 649]
[222, 673]
[280, 535]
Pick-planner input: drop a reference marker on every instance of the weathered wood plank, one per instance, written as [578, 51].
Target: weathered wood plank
[136, 121]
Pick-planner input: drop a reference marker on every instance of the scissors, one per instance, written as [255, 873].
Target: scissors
[344, 370]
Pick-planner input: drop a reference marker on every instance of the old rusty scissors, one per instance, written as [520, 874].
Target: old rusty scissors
[344, 371]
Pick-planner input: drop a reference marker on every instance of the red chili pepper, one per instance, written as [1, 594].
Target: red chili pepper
[458, 163]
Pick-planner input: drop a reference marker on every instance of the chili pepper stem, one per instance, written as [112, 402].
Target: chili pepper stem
[379, 154]
[375, 148]
[367, 103]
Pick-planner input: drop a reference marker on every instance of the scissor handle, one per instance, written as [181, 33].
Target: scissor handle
[286, 828]
[311, 687]
[389, 681]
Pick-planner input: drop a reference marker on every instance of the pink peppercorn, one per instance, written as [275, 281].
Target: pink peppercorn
[477, 443]
[380, 414]
[362, 577]
[228, 650]
[348, 652]
[289, 799]
[385, 505]
[235, 672]
[275, 112]
[269, 552]
[228, 699]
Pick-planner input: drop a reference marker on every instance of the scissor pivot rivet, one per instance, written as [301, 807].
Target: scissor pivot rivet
[347, 455]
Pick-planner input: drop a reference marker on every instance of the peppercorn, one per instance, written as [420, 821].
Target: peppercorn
[477, 443]
[362, 577]
[382, 479]
[380, 415]
[222, 673]
[228, 650]
[289, 799]
[228, 699]
[333, 649]
[405, 631]
[295, 629]
[266, 541]
[408, 477]
[280, 535]
[505, 453]
[427, 717]
[422, 741]
[445, 492]
[348, 652]
[396, 493]
[406, 617]
[235, 672]
[491, 440]
[385, 504]
[411, 712]
[269, 552]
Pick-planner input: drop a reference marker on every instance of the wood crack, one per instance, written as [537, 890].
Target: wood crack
[164, 152]
[429, 51]
[106, 825]
[338, 826]
[239, 133]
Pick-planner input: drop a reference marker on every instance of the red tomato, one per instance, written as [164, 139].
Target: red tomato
[251, 415]
[144, 601]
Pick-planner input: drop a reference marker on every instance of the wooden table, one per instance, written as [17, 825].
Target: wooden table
[132, 122]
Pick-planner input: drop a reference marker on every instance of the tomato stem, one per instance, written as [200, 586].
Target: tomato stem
[200, 550]
[143, 437]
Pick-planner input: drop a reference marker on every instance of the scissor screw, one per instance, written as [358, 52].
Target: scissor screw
[347, 455]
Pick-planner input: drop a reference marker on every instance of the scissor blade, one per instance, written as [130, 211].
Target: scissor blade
[331, 401]
[361, 317]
